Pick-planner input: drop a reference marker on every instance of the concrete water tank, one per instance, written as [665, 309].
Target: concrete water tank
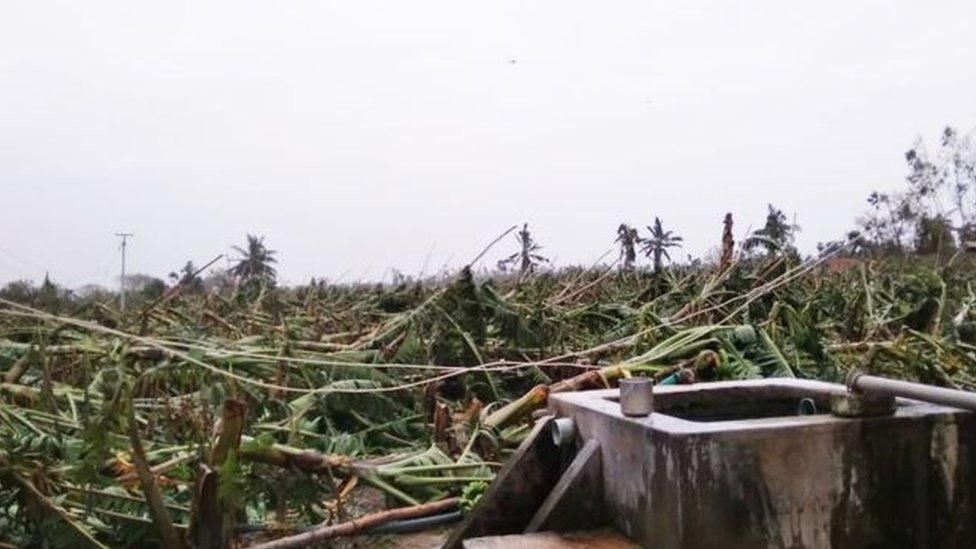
[764, 463]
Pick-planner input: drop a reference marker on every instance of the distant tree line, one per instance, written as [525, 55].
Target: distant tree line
[934, 215]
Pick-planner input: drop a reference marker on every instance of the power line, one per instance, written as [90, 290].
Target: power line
[16, 270]
[23, 261]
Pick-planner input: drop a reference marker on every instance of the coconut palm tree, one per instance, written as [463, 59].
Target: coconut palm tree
[255, 262]
[656, 246]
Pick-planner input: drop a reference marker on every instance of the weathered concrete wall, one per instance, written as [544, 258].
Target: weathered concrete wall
[804, 481]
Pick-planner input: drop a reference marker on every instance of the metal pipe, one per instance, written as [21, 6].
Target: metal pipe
[563, 431]
[862, 383]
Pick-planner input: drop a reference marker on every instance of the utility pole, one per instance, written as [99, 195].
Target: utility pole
[123, 236]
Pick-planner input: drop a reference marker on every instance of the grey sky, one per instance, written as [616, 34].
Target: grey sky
[361, 135]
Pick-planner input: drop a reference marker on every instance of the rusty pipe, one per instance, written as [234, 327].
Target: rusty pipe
[859, 382]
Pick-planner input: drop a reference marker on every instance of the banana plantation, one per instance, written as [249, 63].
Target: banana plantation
[283, 417]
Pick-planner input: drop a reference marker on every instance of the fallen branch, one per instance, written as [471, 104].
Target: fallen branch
[359, 525]
[288, 457]
[538, 396]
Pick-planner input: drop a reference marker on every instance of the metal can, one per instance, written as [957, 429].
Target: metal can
[636, 397]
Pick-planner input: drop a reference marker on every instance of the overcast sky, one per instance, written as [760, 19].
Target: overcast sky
[358, 136]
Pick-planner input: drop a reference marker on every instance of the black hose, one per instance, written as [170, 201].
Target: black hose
[414, 525]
